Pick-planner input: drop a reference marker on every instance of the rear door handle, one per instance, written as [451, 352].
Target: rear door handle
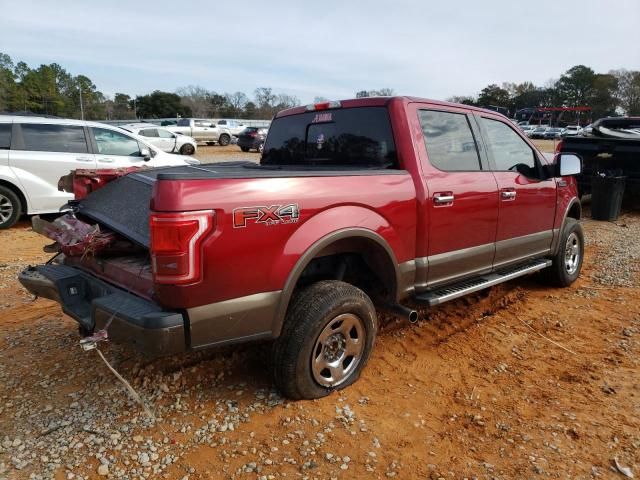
[105, 160]
[443, 198]
[84, 159]
[508, 194]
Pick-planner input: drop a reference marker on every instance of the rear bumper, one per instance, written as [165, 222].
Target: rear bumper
[93, 303]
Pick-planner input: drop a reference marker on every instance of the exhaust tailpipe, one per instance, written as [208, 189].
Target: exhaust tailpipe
[400, 311]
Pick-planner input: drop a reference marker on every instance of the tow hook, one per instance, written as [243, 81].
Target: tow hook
[90, 343]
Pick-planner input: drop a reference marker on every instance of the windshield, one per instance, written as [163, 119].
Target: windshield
[341, 137]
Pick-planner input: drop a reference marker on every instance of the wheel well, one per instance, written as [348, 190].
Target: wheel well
[358, 261]
[575, 211]
[18, 192]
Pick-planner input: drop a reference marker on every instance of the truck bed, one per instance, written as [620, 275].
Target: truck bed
[605, 155]
[124, 204]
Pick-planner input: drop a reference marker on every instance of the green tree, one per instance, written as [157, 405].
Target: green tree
[160, 104]
[602, 98]
[493, 95]
[575, 85]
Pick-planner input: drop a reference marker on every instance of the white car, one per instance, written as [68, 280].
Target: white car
[572, 130]
[233, 126]
[35, 152]
[162, 138]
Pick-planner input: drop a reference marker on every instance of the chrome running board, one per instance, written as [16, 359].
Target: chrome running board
[456, 290]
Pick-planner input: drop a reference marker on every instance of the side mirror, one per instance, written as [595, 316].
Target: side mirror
[145, 153]
[568, 164]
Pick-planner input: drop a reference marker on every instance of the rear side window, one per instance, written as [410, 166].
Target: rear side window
[342, 137]
[41, 137]
[508, 149]
[449, 141]
[149, 132]
[5, 136]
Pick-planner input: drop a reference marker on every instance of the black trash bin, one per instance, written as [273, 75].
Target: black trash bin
[606, 197]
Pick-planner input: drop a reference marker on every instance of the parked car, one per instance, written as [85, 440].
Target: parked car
[252, 138]
[202, 130]
[527, 128]
[586, 131]
[162, 138]
[35, 152]
[537, 132]
[552, 133]
[571, 130]
[234, 126]
[356, 205]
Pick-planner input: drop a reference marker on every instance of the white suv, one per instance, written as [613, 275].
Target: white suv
[162, 138]
[35, 152]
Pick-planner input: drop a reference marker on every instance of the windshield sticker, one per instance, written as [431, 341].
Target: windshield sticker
[323, 117]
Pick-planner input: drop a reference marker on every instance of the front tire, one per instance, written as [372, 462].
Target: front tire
[187, 149]
[244, 149]
[326, 340]
[224, 140]
[567, 263]
[10, 208]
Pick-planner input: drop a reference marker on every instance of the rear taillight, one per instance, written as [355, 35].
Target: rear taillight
[253, 134]
[176, 240]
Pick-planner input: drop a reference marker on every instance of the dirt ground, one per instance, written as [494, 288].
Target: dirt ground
[520, 381]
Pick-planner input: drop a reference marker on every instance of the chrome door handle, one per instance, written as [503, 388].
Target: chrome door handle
[84, 159]
[105, 160]
[440, 199]
[508, 195]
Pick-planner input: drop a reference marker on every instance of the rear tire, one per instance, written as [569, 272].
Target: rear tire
[326, 340]
[10, 207]
[567, 263]
[244, 149]
[224, 140]
[187, 149]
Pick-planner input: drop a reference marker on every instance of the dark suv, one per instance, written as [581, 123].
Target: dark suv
[252, 137]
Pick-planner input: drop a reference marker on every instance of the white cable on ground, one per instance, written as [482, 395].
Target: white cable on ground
[130, 389]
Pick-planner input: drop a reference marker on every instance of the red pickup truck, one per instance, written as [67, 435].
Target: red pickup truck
[355, 206]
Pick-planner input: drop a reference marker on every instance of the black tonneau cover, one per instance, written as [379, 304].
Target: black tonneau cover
[123, 205]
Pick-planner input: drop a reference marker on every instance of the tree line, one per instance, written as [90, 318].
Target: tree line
[51, 90]
[612, 93]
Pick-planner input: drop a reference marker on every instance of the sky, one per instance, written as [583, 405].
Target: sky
[429, 48]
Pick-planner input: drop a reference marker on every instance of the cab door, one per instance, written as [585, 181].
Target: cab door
[527, 200]
[41, 153]
[115, 149]
[462, 199]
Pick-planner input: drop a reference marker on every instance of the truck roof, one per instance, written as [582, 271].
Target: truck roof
[383, 101]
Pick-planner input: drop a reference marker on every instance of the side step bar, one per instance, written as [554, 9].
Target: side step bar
[444, 294]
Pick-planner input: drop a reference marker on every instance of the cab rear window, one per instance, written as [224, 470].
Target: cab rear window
[350, 137]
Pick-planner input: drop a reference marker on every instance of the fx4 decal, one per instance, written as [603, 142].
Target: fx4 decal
[273, 215]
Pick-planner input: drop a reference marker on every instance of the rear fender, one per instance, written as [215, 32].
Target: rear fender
[330, 226]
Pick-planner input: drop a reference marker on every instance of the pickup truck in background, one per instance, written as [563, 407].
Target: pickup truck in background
[612, 147]
[356, 206]
[202, 130]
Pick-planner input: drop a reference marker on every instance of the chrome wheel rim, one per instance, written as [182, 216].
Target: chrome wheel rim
[338, 350]
[6, 209]
[572, 253]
